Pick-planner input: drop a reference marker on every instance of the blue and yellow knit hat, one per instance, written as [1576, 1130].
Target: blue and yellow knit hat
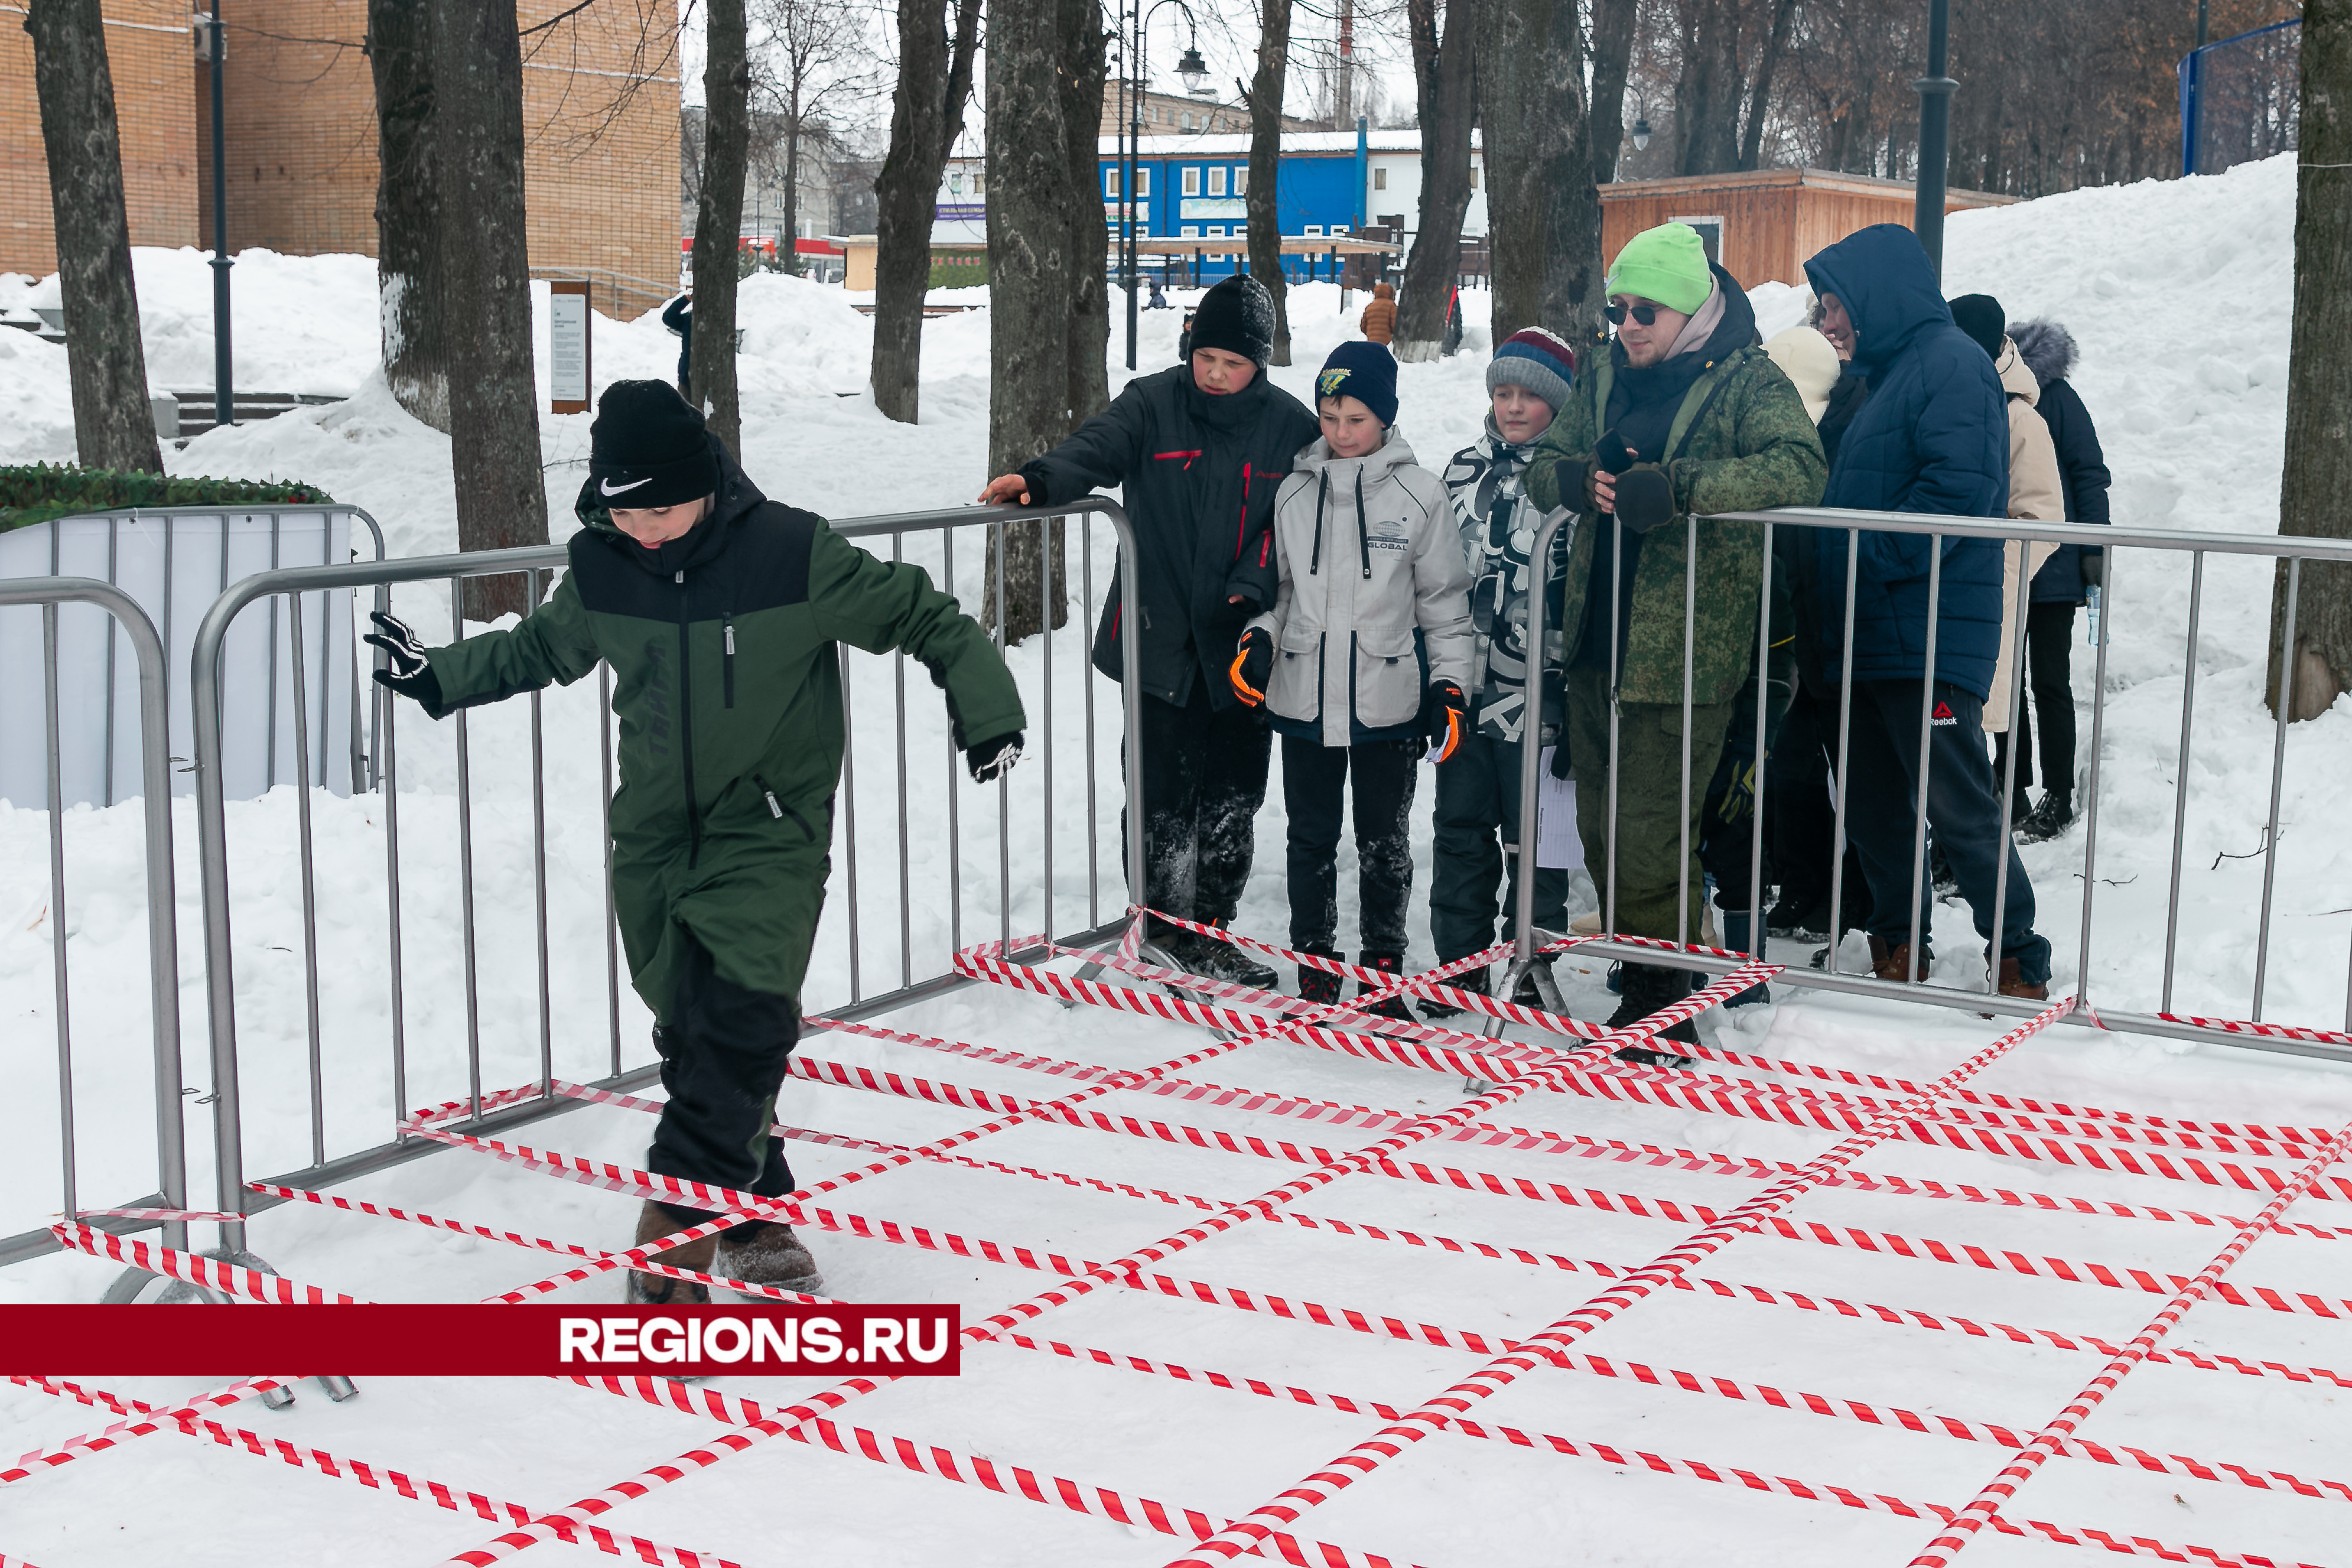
[1365, 372]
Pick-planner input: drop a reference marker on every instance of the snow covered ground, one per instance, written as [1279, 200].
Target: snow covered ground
[2178, 294]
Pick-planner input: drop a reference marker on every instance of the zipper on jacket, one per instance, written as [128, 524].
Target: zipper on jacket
[1363, 534]
[779, 810]
[727, 662]
[1322, 494]
[1241, 530]
[685, 722]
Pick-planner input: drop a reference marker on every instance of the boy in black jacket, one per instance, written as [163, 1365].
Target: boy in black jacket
[1198, 450]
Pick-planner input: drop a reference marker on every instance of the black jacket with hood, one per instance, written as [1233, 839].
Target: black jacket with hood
[1198, 473]
[2047, 351]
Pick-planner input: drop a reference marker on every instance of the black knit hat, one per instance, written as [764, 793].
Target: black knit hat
[1982, 317]
[647, 448]
[1236, 316]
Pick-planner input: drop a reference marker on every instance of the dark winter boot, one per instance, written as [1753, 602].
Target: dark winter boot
[654, 1222]
[1648, 988]
[1735, 928]
[1214, 960]
[1939, 871]
[2049, 820]
[1391, 965]
[1615, 979]
[1892, 961]
[764, 1253]
[2012, 983]
[1319, 986]
[1525, 993]
[1810, 923]
[1473, 981]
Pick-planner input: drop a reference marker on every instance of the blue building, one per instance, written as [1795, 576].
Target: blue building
[1197, 187]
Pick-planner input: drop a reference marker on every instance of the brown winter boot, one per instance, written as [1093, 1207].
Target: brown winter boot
[654, 1222]
[1892, 961]
[2012, 983]
[764, 1253]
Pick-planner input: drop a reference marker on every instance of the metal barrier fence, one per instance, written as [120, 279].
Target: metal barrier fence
[2139, 1014]
[328, 1160]
[2239, 98]
[162, 938]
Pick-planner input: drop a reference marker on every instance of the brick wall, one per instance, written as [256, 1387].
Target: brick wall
[147, 51]
[600, 127]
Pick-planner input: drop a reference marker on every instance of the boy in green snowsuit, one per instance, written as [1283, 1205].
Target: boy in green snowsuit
[718, 610]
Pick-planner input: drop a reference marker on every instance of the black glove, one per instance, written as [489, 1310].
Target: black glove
[2094, 563]
[1444, 719]
[1645, 498]
[992, 759]
[1252, 666]
[409, 673]
[1561, 762]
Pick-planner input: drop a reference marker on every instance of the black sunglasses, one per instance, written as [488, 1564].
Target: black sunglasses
[1644, 315]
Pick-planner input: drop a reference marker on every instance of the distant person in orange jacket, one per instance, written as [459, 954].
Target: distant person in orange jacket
[1378, 321]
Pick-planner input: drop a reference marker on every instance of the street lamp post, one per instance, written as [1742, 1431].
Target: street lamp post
[1192, 69]
[1935, 91]
[224, 395]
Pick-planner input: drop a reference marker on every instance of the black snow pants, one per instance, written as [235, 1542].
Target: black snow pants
[1801, 812]
[723, 1055]
[1203, 781]
[1475, 852]
[1315, 786]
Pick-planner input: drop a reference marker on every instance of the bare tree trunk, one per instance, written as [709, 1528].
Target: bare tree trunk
[2319, 378]
[1265, 162]
[1543, 215]
[1081, 75]
[1033, 256]
[486, 280]
[408, 209]
[1445, 85]
[114, 426]
[718, 219]
[1759, 102]
[1613, 23]
[926, 117]
[790, 252]
[1707, 110]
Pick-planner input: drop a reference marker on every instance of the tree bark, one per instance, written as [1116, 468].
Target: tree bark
[926, 117]
[1707, 104]
[2319, 377]
[1081, 75]
[408, 210]
[1613, 23]
[1446, 85]
[719, 218]
[1265, 164]
[494, 452]
[789, 248]
[114, 426]
[1543, 215]
[1759, 102]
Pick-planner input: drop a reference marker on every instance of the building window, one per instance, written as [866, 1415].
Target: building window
[1473, 177]
[1192, 182]
[1189, 231]
[1110, 184]
[1187, 121]
[1240, 181]
[1142, 180]
[1710, 234]
[1380, 179]
[1217, 181]
[1313, 228]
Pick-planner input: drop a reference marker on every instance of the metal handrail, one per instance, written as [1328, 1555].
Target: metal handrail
[233, 1198]
[162, 934]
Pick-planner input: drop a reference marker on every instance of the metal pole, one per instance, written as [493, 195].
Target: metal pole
[223, 393]
[2202, 18]
[2180, 773]
[1523, 937]
[2278, 769]
[57, 909]
[1935, 91]
[1126, 178]
[1922, 902]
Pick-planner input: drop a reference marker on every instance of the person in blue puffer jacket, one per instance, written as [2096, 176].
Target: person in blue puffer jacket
[1933, 437]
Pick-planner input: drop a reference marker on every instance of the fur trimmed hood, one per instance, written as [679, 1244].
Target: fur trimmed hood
[2047, 349]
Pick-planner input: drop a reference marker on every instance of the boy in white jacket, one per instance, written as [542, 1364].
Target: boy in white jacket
[1362, 661]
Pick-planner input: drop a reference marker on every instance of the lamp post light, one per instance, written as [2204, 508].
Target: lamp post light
[1641, 134]
[1193, 69]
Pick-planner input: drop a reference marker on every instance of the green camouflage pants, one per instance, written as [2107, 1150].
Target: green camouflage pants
[1650, 796]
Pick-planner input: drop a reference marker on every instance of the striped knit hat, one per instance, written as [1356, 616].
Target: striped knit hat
[1535, 360]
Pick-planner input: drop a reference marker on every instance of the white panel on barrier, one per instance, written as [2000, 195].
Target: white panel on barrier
[175, 565]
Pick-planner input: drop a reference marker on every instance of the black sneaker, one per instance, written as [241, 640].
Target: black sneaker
[1811, 923]
[1391, 965]
[1473, 981]
[1214, 960]
[1319, 986]
[1650, 987]
[2049, 820]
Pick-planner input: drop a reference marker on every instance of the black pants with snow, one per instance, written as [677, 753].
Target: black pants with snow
[1962, 808]
[1800, 813]
[723, 1055]
[1203, 781]
[1475, 852]
[2050, 676]
[1314, 785]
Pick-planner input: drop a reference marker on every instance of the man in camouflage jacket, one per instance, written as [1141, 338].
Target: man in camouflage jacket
[1684, 417]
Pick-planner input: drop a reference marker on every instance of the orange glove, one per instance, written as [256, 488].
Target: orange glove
[1252, 666]
[1444, 719]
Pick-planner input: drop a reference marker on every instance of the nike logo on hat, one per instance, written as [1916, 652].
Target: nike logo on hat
[610, 488]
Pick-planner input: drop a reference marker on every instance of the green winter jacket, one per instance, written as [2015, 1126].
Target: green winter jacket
[727, 688]
[1741, 441]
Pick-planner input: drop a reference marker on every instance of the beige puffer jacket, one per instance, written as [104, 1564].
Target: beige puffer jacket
[2036, 492]
[1372, 587]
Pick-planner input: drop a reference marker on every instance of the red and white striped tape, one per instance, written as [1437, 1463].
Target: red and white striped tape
[1285, 1508]
[42, 1460]
[2029, 1457]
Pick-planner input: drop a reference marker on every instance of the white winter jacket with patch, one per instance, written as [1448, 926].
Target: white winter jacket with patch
[1373, 601]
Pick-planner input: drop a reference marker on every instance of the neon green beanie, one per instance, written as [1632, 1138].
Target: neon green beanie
[1668, 264]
